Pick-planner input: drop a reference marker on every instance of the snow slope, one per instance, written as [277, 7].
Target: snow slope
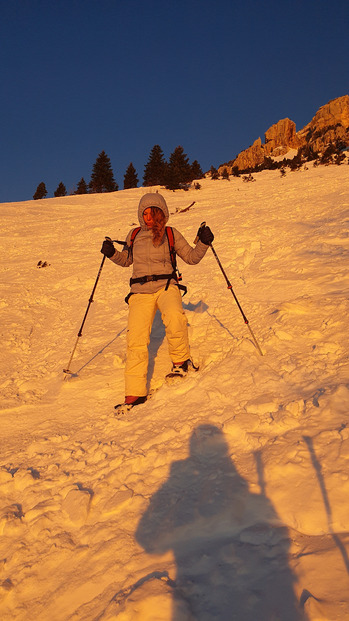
[223, 497]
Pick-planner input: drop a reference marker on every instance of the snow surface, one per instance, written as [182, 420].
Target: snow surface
[223, 497]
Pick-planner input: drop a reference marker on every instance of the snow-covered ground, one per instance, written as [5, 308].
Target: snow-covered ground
[223, 497]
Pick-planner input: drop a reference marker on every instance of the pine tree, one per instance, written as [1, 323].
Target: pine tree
[155, 169]
[102, 178]
[225, 174]
[130, 177]
[179, 170]
[81, 187]
[296, 162]
[61, 190]
[214, 173]
[40, 192]
[196, 170]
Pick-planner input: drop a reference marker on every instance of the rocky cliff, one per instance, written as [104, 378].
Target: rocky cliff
[331, 122]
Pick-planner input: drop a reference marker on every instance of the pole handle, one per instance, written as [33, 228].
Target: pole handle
[116, 241]
[202, 225]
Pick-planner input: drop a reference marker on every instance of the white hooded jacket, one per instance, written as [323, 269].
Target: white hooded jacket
[149, 260]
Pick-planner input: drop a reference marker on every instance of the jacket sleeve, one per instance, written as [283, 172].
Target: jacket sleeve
[124, 257]
[186, 252]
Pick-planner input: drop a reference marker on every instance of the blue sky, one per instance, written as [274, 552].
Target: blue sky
[82, 76]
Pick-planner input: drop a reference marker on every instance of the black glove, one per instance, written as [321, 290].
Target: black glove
[205, 235]
[108, 248]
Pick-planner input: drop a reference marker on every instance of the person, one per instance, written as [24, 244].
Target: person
[154, 286]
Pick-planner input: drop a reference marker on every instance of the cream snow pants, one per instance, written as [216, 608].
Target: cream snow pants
[142, 309]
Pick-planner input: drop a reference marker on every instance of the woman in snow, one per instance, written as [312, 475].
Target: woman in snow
[154, 286]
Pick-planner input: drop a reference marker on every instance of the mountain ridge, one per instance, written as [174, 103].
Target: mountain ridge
[330, 124]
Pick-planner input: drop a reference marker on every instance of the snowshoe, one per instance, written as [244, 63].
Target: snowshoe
[123, 408]
[181, 370]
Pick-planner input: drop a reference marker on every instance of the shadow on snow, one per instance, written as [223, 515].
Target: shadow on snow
[230, 548]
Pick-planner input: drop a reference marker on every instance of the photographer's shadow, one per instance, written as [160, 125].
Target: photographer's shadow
[231, 549]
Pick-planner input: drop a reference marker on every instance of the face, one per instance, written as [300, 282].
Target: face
[147, 217]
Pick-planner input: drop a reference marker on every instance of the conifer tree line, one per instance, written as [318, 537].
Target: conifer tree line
[176, 173]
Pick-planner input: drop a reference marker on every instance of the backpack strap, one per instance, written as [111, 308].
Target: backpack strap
[133, 236]
[176, 274]
[170, 239]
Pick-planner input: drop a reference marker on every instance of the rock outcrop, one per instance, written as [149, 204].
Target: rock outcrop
[330, 123]
[249, 158]
[280, 136]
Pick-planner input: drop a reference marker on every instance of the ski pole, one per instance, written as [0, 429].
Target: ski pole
[67, 370]
[231, 289]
